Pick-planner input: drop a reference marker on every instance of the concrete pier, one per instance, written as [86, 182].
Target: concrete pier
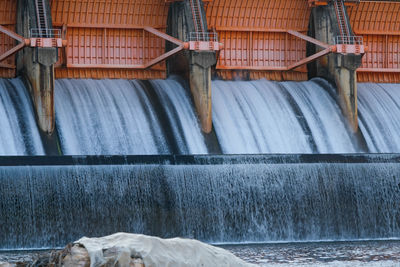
[193, 66]
[337, 68]
[36, 65]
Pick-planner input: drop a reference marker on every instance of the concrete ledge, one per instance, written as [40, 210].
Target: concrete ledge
[197, 159]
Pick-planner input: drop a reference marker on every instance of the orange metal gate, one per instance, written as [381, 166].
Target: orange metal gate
[8, 13]
[106, 38]
[379, 23]
[255, 37]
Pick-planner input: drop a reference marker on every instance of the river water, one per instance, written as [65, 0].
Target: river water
[354, 254]
[348, 253]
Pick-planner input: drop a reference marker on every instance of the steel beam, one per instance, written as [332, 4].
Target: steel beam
[308, 39]
[311, 58]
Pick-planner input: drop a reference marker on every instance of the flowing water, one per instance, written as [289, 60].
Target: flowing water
[220, 199]
[100, 117]
[227, 200]
[379, 116]
[368, 253]
[157, 117]
[286, 117]
[130, 117]
[382, 253]
[19, 134]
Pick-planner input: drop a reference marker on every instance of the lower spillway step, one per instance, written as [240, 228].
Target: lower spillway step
[48, 202]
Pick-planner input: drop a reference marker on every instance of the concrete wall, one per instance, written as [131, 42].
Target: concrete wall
[193, 66]
[337, 68]
[35, 65]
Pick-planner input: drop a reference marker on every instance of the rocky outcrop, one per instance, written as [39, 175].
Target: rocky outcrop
[133, 250]
[77, 256]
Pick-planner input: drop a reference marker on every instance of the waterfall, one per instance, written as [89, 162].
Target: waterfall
[379, 116]
[96, 117]
[279, 117]
[19, 134]
[214, 199]
[184, 123]
[125, 117]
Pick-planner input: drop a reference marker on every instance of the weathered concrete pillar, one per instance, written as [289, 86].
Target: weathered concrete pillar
[338, 68]
[193, 66]
[200, 86]
[346, 81]
[36, 65]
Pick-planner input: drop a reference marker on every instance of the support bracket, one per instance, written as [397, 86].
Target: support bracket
[191, 45]
[32, 42]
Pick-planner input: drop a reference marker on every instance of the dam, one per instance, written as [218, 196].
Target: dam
[230, 122]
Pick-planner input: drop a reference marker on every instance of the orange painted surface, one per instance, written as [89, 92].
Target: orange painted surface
[109, 34]
[102, 33]
[256, 75]
[254, 37]
[314, 3]
[8, 19]
[106, 38]
[379, 24]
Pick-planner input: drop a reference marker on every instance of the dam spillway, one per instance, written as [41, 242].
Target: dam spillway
[249, 118]
[19, 134]
[286, 117]
[126, 117]
[379, 117]
[225, 121]
[259, 198]
[111, 117]
[253, 198]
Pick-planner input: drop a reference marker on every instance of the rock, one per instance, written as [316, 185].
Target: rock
[123, 249]
[77, 256]
[132, 250]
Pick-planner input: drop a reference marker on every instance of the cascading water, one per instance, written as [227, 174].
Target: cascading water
[379, 119]
[286, 117]
[122, 117]
[179, 110]
[212, 198]
[19, 134]
[127, 117]
[221, 199]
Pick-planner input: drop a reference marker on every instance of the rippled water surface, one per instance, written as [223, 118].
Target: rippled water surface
[366, 253]
[354, 254]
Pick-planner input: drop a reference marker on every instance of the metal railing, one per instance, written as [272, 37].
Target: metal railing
[203, 36]
[350, 40]
[45, 33]
[341, 18]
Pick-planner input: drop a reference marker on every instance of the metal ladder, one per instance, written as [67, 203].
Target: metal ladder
[340, 14]
[41, 18]
[197, 19]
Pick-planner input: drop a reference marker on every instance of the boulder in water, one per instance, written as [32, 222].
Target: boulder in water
[134, 250]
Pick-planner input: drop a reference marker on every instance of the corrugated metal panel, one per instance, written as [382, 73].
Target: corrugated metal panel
[88, 46]
[256, 75]
[8, 11]
[379, 24]
[252, 31]
[258, 14]
[255, 38]
[94, 73]
[254, 50]
[105, 12]
[106, 38]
